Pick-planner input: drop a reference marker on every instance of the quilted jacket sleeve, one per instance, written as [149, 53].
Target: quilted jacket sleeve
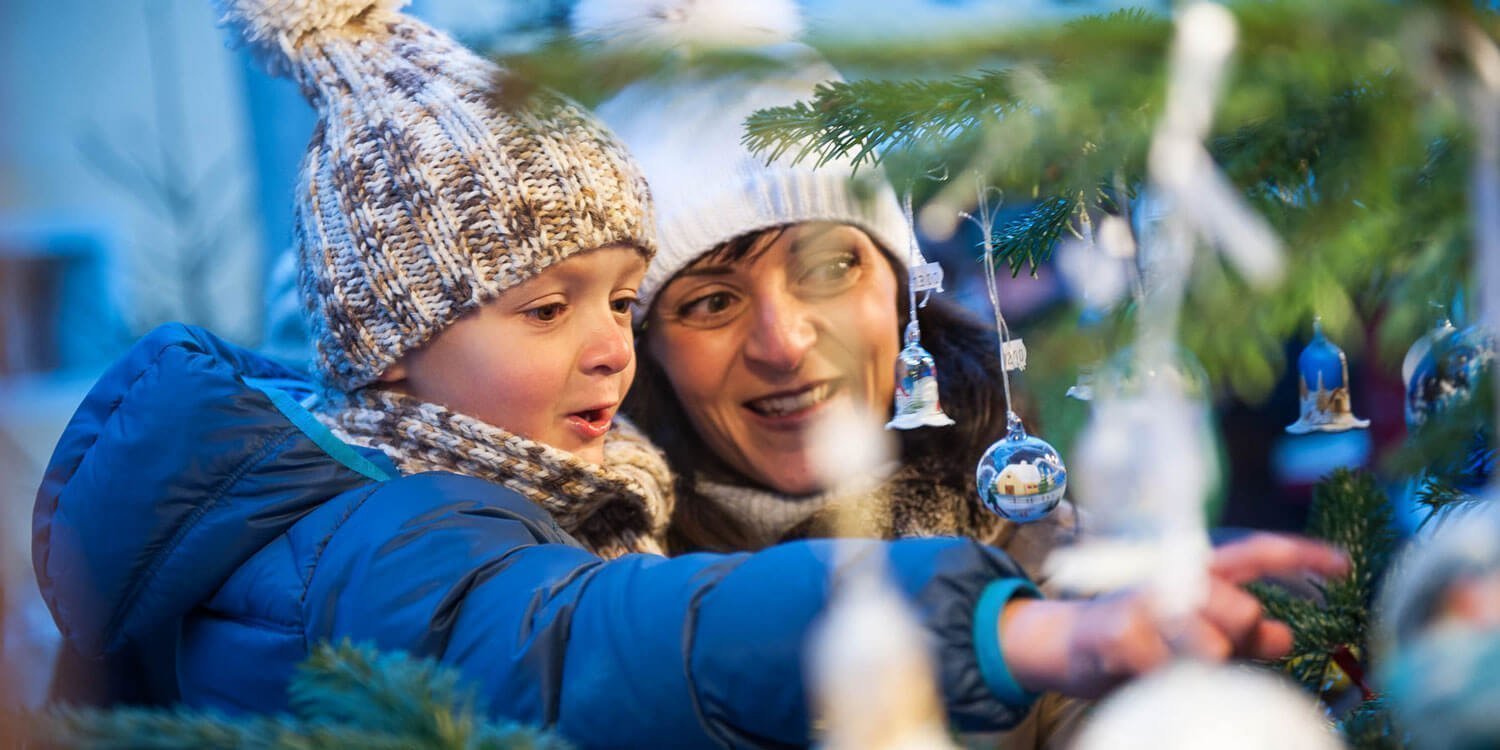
[644, 651]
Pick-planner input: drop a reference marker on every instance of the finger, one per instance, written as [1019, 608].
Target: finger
[1200, 638]
[1269, 555]
[1272, 640]
[1233, 612]
[1137, 646]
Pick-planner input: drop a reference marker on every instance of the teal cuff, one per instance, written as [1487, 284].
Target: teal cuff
[987, 639]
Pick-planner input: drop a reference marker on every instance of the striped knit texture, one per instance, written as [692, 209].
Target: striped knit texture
[421, 197]
[615, 509]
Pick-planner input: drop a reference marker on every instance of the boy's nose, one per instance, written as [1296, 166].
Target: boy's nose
[609, 348]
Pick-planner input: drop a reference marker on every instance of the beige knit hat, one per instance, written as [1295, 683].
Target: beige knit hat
[418, 199]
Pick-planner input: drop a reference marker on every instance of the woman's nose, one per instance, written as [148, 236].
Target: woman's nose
[608, 347]
[782, 334]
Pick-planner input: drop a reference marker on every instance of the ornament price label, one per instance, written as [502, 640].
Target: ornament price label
[928, 276]
[1013, 354]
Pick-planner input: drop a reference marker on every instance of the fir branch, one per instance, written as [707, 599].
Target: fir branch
[185, 729]
[1030, 239]
[343, 697]
[853, 119]
[356, 685]
[1350, 511]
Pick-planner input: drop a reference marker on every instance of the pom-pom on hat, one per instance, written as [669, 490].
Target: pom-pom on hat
[687, 132]
[420, 198]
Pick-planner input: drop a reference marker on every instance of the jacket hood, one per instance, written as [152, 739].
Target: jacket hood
[186, 458]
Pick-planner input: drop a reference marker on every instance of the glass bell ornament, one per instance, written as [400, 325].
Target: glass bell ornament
[917, 402]
[1323, 384]
[1021, 478]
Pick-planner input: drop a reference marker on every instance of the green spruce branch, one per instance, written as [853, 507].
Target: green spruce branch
[859, 120]
[1349, 510]
[344, 696]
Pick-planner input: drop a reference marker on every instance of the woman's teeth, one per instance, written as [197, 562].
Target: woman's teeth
[776, 406]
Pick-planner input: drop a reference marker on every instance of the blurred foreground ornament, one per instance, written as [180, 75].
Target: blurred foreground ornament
[1021, 478]
[1124, 375]
[917, 403]
[1189, 706]
[1141, 464]
[1323, 383]
[1438, 626]
[873, 678]
[1118, 389]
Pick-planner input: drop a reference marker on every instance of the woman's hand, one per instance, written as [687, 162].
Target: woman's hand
[1086, 647]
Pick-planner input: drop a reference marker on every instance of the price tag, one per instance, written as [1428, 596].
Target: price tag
[928, 276]
[1013, 353]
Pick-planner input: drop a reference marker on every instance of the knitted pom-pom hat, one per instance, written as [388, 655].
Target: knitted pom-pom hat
[686, 132]
[419, 199]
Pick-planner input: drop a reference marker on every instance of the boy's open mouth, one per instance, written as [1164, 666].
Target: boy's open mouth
[592, 423]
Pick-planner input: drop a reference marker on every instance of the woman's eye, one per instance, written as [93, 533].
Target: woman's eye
[706, 307]
[832, 270]
[546, 313]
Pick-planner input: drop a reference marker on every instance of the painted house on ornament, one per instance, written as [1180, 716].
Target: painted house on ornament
[1020, 479]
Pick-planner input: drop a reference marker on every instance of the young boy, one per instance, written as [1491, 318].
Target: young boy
[462, 492]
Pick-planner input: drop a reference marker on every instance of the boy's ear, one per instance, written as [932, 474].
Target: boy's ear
[393, 374]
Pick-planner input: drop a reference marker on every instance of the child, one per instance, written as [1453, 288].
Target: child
[467, 273]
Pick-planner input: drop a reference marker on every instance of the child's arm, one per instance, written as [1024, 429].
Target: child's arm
[635, 652]
[703, 648]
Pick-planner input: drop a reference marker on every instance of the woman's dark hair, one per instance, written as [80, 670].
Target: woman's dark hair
[968, 368]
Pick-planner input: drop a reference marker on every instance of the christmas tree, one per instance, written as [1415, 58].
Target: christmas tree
[1360, 131]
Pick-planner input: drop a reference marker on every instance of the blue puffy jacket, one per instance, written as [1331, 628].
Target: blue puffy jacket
[197, 523]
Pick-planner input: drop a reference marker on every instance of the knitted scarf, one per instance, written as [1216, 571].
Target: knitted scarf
[619, 507]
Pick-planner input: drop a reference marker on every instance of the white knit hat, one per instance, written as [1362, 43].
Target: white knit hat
[686, 133]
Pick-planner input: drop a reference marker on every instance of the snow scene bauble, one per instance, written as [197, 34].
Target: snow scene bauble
[1444, 376]
[1443, 379]
[1422, 346]
[1021, 478]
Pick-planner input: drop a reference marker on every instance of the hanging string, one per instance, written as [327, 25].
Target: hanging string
[914, 257]
[986, 223]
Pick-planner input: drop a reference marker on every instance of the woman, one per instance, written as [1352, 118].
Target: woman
[777, 290]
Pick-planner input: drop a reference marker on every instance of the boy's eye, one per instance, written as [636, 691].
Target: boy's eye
[623, 305]
[546, 313]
